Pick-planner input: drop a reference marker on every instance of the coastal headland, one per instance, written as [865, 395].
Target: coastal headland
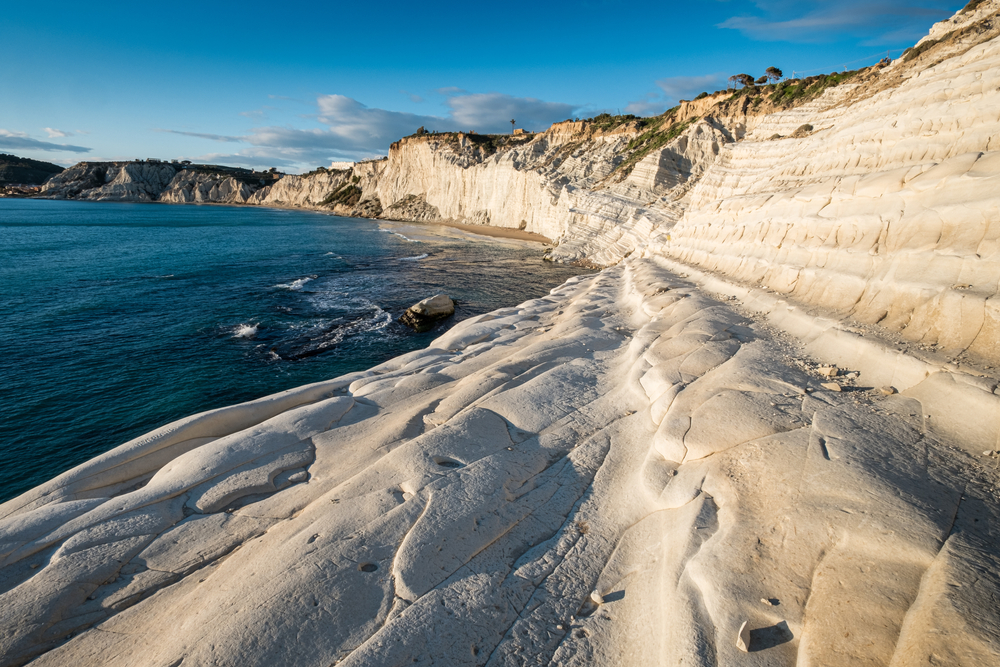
[767, 433]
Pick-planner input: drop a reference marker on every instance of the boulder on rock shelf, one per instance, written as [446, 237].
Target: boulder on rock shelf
[422, 315]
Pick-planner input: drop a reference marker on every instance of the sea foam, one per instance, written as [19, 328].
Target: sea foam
[296, 285]
[245, 331]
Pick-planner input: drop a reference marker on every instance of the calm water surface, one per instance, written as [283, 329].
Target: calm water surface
[118, 318]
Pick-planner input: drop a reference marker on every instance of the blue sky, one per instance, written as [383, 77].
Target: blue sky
[295, 85]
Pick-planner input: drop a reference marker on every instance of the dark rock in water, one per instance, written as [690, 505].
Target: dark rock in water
[422, 316]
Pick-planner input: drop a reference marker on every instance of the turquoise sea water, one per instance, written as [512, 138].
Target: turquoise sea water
[118, 318]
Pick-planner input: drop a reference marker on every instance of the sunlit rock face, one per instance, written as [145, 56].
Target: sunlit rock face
[766, 434]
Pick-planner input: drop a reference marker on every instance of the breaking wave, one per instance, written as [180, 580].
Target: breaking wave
[296, 285]
[405, 238]
[244, 331]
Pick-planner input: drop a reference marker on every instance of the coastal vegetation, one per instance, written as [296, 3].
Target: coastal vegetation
[16, 170]
[347, 194]
[661, 131]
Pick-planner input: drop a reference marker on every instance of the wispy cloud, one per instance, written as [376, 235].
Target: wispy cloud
[56, 134]
[822, 21]
[202, 135]
[413, 96]
[20, 141]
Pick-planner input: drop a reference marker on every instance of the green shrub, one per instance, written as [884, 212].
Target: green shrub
[665, 130]
[346, 194]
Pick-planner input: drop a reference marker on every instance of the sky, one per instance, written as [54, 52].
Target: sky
[296, 86]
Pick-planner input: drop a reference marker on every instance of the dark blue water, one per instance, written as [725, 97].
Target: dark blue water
[118, 318]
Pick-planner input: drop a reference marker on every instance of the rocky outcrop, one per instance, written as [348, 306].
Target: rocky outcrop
[422, 315]
[154, 180]
[192, 187]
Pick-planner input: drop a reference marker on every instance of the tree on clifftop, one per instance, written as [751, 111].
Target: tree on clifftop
[512, 121]
[744, 80]
[773, 74]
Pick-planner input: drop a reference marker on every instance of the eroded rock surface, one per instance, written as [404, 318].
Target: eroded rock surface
[631, 437]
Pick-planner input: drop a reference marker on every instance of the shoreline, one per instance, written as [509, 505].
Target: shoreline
[481, 230]
[484, 230]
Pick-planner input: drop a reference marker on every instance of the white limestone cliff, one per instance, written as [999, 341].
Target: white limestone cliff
[192, 187]
[775, 419]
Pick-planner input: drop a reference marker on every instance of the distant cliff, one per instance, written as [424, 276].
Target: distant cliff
[25, 171]
[153, 180]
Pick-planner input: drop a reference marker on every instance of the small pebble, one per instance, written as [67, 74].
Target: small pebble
[888, 391]
[596, 597]
[832, 386]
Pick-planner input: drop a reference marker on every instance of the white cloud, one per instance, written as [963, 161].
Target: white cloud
[492, 112]
[820, 21]
[358, 127]
[56, 134]
[353, 131]
[20, 141]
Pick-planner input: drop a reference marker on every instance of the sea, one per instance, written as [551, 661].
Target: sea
[118, 318]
